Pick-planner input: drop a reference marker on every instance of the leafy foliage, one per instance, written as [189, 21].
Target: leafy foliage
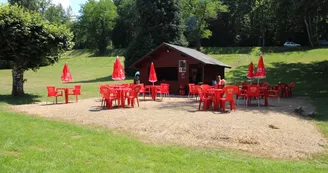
[196, 14]
[27, 41]
[160, 21]
[96, 24]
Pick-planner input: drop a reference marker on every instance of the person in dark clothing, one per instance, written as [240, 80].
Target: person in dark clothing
[137, 78]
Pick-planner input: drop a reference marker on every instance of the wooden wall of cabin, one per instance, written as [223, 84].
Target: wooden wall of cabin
[161, 59]
[211, 72]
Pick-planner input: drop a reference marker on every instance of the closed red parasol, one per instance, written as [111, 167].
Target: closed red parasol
[260, 72]
[118, 70]
[250, 74]
[152, 74]
[66, 76]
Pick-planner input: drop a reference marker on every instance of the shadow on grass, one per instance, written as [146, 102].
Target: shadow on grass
[310, 80]
[102, 79]
[252, 50]
[79, 52]
[111, 52]
[19, 100]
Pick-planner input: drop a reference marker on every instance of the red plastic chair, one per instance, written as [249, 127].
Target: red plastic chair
[229, 91]
[274, 93]
[205, 87]
[283, 89]
[109, 95]
[133, 95]
[164, 90]
[207, 101]
[76, 91]
[52, 92]
[192, 90]
[241, 93]
[290, 89]
[143, 90]
[253, 91]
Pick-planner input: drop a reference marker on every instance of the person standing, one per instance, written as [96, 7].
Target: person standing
[220, 81]
[137, 78]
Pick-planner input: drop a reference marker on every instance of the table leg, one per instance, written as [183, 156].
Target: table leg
[122, 99]
[66, 95]
[153, 93]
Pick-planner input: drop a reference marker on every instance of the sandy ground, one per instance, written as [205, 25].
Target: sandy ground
[273, 131]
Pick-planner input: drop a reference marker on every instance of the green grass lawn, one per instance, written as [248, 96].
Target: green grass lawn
[31, 144]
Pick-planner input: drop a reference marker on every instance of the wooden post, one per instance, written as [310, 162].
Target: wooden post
[203, 73]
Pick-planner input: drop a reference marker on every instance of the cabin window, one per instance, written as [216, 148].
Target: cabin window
[167, 73]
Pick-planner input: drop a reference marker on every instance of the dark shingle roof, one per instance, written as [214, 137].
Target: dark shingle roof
[189, 52]
[197, 55]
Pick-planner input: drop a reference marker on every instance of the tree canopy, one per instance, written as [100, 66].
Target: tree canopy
[27, 41]
[160, 21]
[96, 24]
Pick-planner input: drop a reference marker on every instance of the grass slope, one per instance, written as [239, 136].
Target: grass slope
[29, 144]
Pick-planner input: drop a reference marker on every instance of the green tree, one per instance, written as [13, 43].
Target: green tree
[197, 13]
[160, 21]
[27, 41]
[126, 27]
[34, 5]
[97, 23]
[56, 14]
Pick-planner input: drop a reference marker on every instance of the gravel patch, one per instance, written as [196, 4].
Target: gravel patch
[273, 131]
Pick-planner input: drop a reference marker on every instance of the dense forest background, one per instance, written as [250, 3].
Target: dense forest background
[141, 25]
[106, 24]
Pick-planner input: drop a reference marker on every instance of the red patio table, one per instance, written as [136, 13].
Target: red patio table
[153, 89]
[121, 94]
[217, 94]
[66, 90]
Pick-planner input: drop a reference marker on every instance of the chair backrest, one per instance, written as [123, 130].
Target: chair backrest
[205, 87]
[165, 87]
[191, 90]
[230, 91]
[51, 91]
[253, 90]
[77, 90]
[135, 90]
[292, 84]
[125, 85]
[200, 91]
[106, 91]
[265, 84]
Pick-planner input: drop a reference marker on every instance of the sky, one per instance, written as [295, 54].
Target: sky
[75, 4]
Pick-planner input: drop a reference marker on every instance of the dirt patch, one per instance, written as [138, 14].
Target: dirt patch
[273, 131]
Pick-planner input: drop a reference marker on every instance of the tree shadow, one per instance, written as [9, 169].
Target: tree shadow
[111, 52]
[101, 79]
[19, 100]
[79, 52]
[252, 50]
[310, 80]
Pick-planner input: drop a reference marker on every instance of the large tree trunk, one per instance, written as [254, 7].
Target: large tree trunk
[308, 31]
[18, 81]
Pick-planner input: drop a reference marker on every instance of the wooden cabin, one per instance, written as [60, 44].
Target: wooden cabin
[178, 65]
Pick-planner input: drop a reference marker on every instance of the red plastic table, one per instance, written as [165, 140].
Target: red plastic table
[66, 90]
[217, 94]
[153, 90]
[121, 94]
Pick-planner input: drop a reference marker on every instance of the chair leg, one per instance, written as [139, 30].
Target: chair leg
[199, 105]
[56, 100]
[138, 102]
[76, 99]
